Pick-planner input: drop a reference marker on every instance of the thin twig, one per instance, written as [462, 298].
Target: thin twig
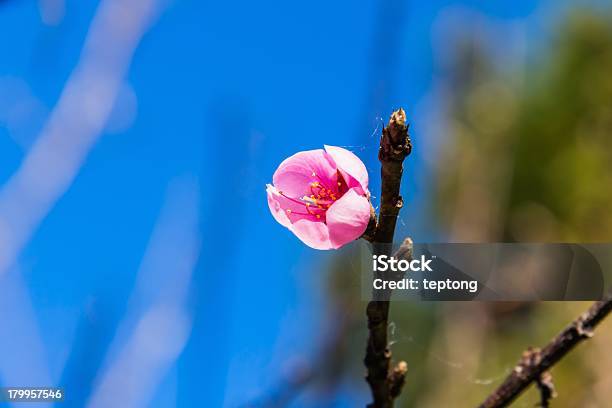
[547, 389]
[395, 146]
[535, 363]
[397, 379]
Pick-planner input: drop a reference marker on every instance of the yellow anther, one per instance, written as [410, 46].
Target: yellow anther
[339, 183]
[318, 216]
[312, 196]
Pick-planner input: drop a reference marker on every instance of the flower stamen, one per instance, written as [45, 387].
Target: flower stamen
[307, 202]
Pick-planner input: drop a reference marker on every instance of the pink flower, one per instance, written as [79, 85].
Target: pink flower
[322, 197]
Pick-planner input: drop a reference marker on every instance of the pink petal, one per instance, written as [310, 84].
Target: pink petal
[279, 205]
[295, 174]
[350, 164]
[276, 209]
[313, 233]
[348, 218]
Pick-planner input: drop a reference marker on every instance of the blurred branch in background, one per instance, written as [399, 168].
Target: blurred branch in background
[27, 361]
[75, 123]
[535, 362]
[56, 157]
[157, 324]
[323, 370]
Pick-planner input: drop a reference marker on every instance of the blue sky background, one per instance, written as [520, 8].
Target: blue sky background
[216, 96]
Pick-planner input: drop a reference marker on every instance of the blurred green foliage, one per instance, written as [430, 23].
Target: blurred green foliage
[529, 153]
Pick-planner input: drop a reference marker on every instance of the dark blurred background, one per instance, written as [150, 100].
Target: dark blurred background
[139, 264]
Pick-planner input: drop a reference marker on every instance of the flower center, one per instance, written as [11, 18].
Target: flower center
[321, 197]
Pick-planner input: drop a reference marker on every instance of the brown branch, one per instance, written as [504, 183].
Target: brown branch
[535, 363]
[368, 235]
[395, 146]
